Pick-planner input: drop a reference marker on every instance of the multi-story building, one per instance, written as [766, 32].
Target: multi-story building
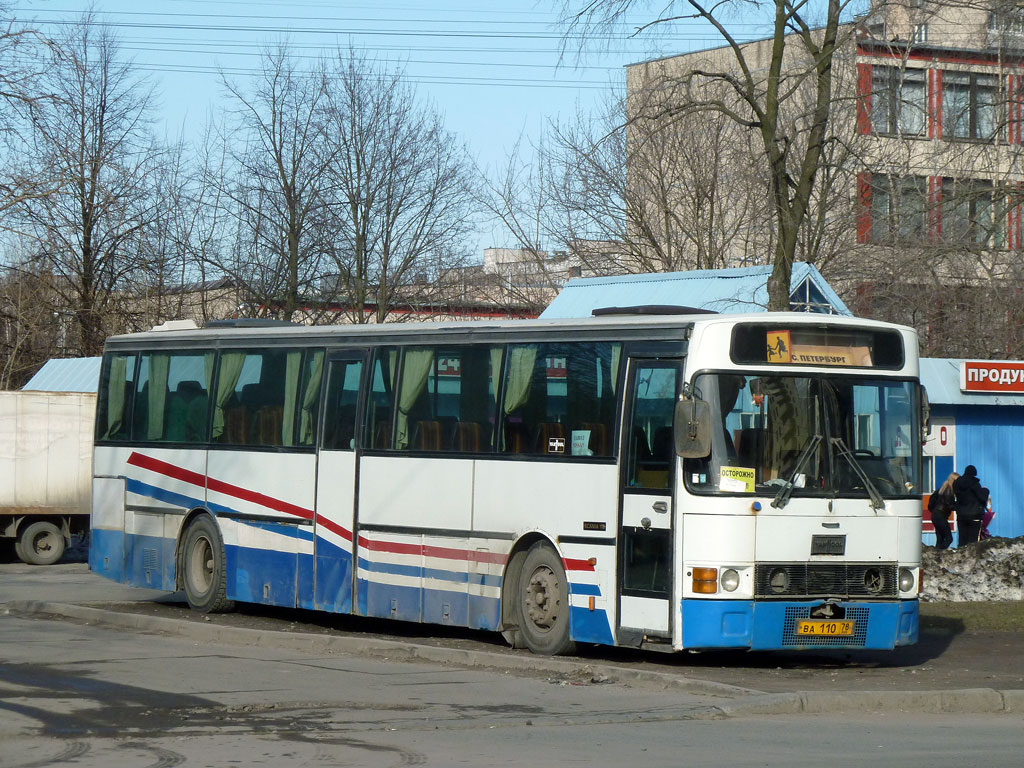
[918, 202]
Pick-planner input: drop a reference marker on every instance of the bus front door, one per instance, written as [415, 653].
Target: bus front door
[336, 484]
[647, 517]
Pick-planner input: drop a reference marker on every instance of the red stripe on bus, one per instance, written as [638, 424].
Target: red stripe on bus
[572, 564]
[194, 478]
[334, 527]
[426, 550]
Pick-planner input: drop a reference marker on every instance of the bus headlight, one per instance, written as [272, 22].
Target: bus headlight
[906, 580]
[730, 580]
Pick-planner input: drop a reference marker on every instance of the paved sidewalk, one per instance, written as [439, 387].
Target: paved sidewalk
[947, 672]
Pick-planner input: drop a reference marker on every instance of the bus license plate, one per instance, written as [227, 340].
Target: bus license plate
[809, 628]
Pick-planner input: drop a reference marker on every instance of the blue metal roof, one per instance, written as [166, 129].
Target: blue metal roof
[941, 377]
[79, 374]
[740, 289]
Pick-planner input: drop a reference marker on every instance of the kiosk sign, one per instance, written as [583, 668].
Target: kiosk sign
[992, 376]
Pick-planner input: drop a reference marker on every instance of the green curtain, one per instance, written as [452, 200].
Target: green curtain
[230, 369]
[416, 365]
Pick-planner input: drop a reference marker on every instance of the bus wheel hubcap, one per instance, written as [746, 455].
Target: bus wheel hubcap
[542, 598]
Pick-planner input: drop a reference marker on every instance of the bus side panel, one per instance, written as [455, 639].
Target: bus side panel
[272, 493]
[106, 540]
[262, 560]
[335, 504]
[160, 486]
[406, 574]
[487, 562]
[571, 499]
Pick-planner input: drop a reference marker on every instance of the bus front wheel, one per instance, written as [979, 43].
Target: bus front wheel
[204, 569]
[543, 602]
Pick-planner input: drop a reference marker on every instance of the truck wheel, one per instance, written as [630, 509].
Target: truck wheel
[204, 570]
[40, 543]
[543, 602]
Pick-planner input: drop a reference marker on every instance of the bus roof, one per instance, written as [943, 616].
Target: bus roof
[618, 326]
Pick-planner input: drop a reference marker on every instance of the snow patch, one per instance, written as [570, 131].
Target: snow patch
[989, 570]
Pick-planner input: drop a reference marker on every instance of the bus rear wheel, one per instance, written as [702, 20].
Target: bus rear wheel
[543, 602]
[204, 570]
[40, 543]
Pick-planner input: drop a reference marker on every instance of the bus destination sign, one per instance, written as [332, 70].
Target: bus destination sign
[782, 348]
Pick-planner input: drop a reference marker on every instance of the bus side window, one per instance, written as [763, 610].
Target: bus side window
[117, 392]
[340, 408]
[381, 400]
[173, 391]
[560, 399]
[445, 400]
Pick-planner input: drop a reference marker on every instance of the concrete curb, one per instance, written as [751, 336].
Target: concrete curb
[379, 648]
[735, 701]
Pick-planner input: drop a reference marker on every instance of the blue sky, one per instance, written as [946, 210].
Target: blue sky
[494, 69]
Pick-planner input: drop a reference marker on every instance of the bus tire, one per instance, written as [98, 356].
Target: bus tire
[40, 543]
[204, 569]
[542, 602]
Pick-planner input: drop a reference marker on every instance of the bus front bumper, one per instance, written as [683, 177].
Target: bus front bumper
[756, 625]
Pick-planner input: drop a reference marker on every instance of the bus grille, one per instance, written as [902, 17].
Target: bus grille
[857, 640]
[838, 580]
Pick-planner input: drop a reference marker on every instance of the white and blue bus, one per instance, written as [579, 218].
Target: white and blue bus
[672, 481]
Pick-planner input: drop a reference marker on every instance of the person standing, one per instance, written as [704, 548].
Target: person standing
[970, 505]
[941, 505]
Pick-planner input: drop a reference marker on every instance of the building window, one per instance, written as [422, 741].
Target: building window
[969, 105]
[898, 101]
[1009, 22]
[919, 34]
[899, 209]
[968, 213]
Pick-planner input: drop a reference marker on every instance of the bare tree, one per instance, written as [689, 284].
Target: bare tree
[25, 55]
[758, 82]
[93, 137]
[620, 198]
[31, 329]
[276, 186]
[401, 187]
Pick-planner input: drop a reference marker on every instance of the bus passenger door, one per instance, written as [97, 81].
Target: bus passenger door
[336, 483]
[647, 472]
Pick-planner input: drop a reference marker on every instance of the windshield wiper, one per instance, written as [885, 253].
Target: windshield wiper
[877, 502]
[782, 497]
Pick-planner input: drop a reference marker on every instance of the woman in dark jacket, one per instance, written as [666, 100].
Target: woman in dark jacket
[941, 505]
[970, 505]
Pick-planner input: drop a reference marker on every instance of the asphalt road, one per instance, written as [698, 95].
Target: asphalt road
[87, 678]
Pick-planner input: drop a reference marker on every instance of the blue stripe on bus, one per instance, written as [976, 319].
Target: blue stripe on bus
[270, 577]
[584, 589]
[161, 494]
[419, 572]
[283, 529]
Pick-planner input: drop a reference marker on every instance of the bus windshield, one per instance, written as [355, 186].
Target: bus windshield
[814, 435]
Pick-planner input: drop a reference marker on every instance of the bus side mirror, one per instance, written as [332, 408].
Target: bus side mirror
[692, 428]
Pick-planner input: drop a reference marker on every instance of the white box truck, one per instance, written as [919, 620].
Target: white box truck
[45, 470]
